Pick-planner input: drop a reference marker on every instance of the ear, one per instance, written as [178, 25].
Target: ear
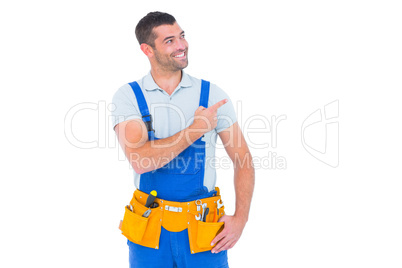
[147, 49]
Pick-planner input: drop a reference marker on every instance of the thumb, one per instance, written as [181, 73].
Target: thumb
[222, 219]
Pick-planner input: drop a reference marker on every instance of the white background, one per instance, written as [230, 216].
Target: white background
[61, 204]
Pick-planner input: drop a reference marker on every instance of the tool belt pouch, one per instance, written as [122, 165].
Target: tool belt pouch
[133, 226]
[202, 233]
[206, 233]
[141, 230]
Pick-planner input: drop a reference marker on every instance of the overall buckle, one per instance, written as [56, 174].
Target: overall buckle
[148, 123]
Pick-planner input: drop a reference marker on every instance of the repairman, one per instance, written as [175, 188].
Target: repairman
[167, 123]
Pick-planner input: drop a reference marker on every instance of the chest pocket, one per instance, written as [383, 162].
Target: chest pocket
[190, 161]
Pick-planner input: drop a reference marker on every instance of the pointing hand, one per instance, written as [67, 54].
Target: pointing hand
[206, 119]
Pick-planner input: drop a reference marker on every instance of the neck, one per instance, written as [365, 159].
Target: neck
[168, 81]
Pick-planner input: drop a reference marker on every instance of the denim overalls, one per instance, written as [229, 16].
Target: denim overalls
[182, 179]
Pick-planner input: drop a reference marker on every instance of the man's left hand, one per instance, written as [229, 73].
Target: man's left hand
[230, 234]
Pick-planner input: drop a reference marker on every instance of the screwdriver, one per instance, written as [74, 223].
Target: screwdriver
[205, 214]
[150, 201]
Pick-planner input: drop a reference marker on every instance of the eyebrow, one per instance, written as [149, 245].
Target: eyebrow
[166, 38]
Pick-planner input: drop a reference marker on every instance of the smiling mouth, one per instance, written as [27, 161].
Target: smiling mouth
[181, 55]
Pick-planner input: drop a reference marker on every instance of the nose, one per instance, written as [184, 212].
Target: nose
[181, 44]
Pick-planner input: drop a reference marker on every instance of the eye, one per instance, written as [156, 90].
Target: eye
[169, 41]
[183, 36]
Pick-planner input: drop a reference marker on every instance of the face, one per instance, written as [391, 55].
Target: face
[171, 48]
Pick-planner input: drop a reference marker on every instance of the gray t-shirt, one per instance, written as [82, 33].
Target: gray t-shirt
[173, 113]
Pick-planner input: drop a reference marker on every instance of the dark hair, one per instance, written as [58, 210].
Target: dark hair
[143, 30]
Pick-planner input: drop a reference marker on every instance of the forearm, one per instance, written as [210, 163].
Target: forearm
[157, 153]
[244, 179]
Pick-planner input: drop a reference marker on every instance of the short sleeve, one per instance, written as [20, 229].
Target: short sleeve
[226, 113]
[125, 106]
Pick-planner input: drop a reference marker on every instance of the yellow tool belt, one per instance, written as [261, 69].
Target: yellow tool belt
[174, 217]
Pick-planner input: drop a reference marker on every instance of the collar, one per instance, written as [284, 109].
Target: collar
[149, 83]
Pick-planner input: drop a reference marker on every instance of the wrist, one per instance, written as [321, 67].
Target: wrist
[193, 132]
[241, 218]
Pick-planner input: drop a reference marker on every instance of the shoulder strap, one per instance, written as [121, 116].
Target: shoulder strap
[147, 117]
[204, 93]
[142, 104]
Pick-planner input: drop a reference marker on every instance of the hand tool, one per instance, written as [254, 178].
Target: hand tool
[198, 202]
[200, 205]
[150, 201]
[151, 198]
[146, 213]
[205, 215]
[204, 206]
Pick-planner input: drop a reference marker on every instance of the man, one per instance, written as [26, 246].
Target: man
[169, 147]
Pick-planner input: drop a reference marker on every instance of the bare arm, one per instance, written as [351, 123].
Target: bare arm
[244, 178]
[146, 155]
[244, 174]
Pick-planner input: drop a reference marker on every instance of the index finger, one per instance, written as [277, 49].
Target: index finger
[217, 238]
[218, 104]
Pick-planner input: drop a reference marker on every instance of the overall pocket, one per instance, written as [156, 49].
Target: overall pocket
[207, 231]
[133, 226]
[188, 162]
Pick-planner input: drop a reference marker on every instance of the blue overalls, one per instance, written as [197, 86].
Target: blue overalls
[181, 180]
